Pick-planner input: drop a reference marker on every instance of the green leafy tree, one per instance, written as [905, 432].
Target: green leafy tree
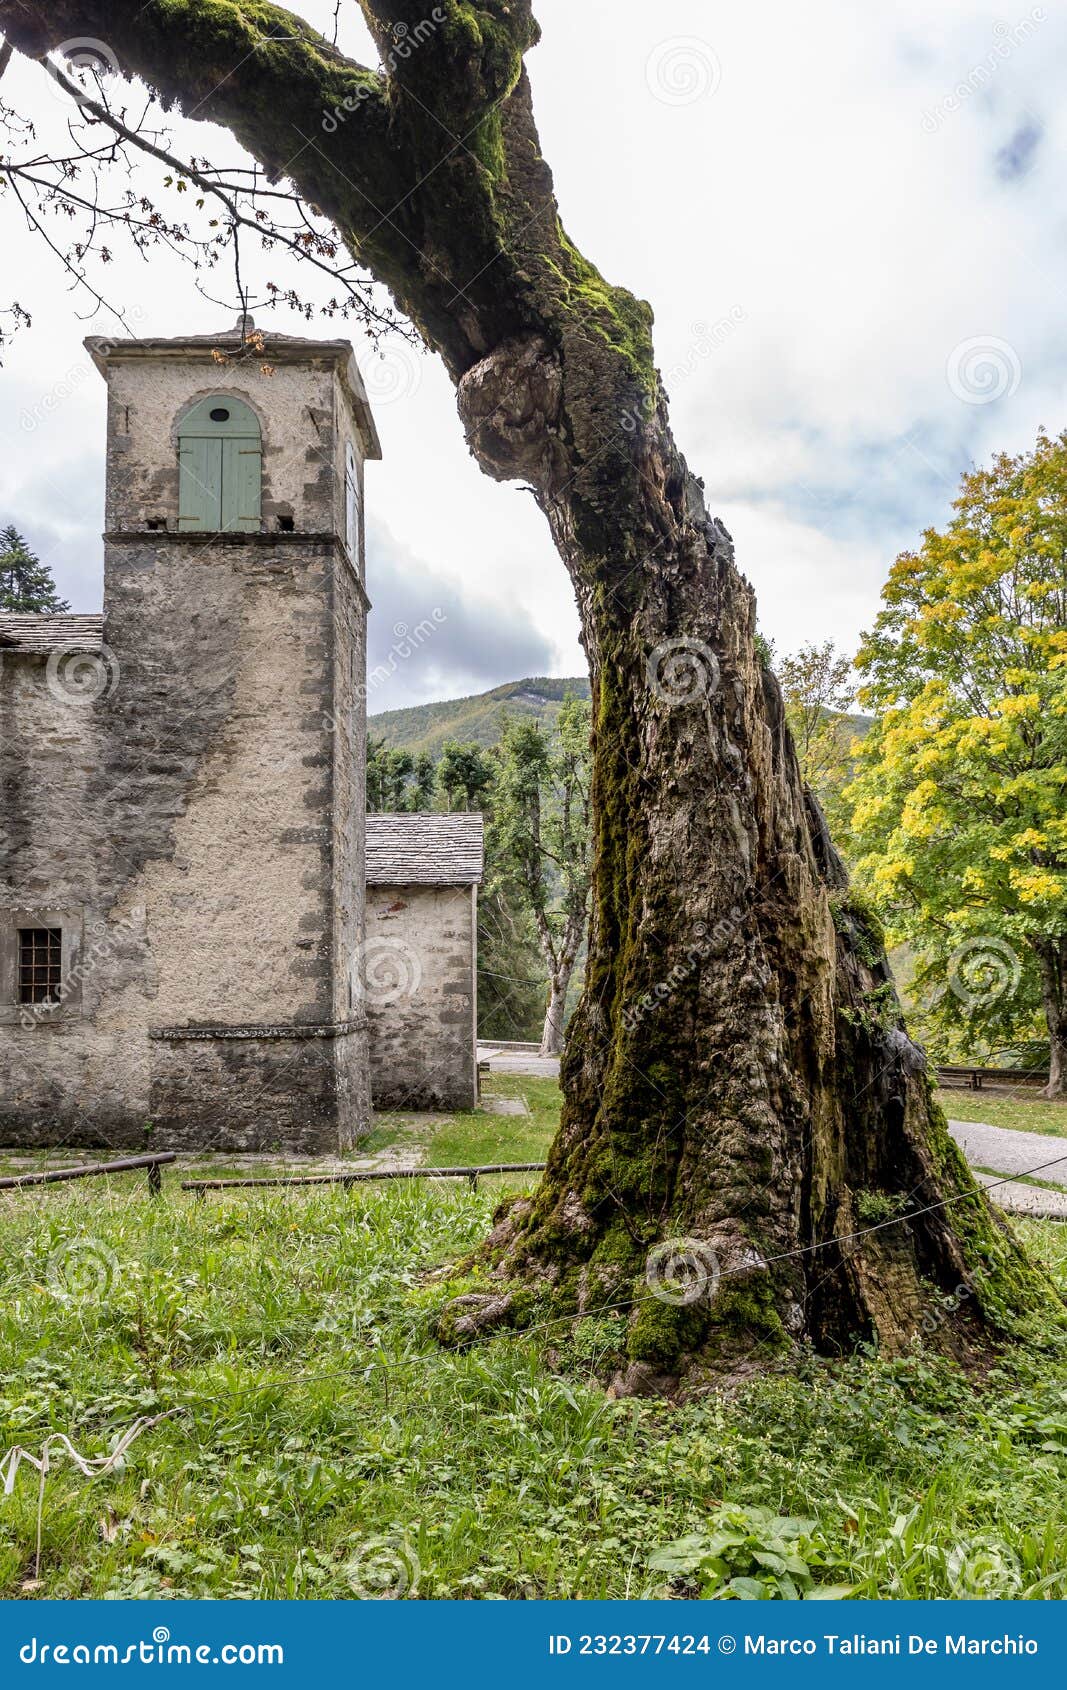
[511, 985]
[767, 1071]
[958, 807]
[424, 782]
[464, 775]
[541, 830]
[388, 774]
[817, 686]
[26, 584]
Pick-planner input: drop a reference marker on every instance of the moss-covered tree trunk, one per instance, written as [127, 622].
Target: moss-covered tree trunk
[1052, 971]
[739, 1088]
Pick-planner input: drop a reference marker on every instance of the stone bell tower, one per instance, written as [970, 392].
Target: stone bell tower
[229, 774]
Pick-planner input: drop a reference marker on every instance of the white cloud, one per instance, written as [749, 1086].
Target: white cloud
[835, 197]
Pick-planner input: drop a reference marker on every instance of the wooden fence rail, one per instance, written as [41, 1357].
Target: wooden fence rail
[974, 1078]
[128, 1165]
[472, 1175]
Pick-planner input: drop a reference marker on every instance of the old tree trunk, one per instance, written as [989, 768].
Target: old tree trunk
[1052, 970]
[739, 1087]
[555, 1014]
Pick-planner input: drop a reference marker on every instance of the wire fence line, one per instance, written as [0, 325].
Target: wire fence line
[188, 1413]
[622, 1305]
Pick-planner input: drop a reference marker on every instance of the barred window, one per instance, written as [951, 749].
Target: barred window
[40, 964]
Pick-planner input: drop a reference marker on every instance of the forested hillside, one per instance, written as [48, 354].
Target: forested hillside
[425, 727]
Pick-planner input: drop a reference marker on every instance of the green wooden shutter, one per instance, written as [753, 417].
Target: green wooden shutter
[351, 504]
[242, 486]
[200, 484]
[220, 457]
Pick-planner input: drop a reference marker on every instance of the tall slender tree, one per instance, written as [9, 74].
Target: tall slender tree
[737, 1073]
[818, 688]
[541, 829]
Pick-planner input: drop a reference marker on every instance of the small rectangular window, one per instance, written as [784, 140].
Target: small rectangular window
[40, 964]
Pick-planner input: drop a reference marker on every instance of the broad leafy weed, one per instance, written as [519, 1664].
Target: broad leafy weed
[319, 1422]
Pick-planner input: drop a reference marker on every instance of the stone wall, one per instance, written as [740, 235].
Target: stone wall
[421, 996]
[200, 821]
[300, 411]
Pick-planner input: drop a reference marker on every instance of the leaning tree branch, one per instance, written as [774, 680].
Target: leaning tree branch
[781, 1087]
[407, 166]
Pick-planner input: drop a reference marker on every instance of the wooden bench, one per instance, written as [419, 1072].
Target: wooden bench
[974, 1078]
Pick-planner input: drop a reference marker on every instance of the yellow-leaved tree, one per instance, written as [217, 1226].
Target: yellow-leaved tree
[959, 808]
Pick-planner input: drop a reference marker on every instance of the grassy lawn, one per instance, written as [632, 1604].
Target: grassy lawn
[482, 1136]
[324, 1446]
[1019, 1179]
[1022, 1110]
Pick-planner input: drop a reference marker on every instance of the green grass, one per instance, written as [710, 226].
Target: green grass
[1018, 1179]
[326, 1447]
[1023, 1111]
[481, 1136]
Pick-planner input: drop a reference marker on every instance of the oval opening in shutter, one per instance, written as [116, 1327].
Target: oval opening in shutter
[220, 458]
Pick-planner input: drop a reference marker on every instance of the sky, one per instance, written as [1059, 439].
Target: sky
[851, 227]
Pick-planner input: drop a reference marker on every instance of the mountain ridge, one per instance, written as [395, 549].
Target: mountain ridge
[479, 716]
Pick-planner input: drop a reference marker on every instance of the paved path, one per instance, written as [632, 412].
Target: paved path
[1022, 1199]
[1000, 1148]
[525, 1061]
[1011, 1152]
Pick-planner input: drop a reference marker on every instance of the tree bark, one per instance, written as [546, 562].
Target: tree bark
[742, 1103]
[1052, 968]
[555, 1015]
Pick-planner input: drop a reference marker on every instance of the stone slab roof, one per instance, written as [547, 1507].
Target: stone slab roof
[425, 850]
[45, 634]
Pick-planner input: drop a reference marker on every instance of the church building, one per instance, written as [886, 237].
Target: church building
[183, 780]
